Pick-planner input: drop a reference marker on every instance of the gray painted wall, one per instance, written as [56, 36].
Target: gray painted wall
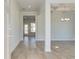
[60, 30]
[63, 30]
[14, 31]
[41, 24]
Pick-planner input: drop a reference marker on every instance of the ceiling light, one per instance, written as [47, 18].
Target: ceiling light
[29, 6]
[62, 19]
[56, 47]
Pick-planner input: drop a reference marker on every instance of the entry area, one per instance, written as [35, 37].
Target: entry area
[40, 29]
[29, 27]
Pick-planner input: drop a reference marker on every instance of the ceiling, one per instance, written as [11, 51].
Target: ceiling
[34, 5]
[30, 5]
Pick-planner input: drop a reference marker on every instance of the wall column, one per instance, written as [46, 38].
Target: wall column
[47, 26]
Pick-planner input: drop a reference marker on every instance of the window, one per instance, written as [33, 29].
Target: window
[26, 29]
[33, 27]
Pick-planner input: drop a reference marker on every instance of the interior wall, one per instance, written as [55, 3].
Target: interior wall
[14, 28]
[41, 24]
[63, 30]
[6, 18]
[60, 30]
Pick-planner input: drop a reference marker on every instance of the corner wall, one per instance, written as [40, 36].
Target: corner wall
[14, 26]
[41, 24]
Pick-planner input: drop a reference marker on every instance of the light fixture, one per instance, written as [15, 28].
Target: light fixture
[29, 6]
[62, 19]
[56, 47]
[65, 19]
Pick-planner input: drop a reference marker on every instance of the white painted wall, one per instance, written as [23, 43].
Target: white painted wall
[6, 19]
[41, 24]
[63, 30]
[14, 26]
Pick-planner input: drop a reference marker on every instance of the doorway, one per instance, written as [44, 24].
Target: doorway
[29, 27]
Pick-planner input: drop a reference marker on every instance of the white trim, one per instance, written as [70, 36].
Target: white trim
[29, 13]
[57, 39]
[15, 47]
[63, 39]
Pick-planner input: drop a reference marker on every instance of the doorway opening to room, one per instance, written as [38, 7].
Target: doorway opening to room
[29, 30]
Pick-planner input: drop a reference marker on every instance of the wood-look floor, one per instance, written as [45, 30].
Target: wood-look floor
[66, 50]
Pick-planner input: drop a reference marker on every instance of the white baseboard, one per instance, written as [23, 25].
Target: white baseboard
[39, 39]
[63, 39]
[57, 39]
[15, 47]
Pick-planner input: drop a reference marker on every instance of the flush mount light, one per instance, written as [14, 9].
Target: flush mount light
[29, 6]
[56, 47]
[62, 19]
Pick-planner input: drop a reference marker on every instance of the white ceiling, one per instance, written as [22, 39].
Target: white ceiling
[36, 4]
[63, 7]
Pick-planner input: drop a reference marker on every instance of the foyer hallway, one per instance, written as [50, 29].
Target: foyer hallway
[60, 50]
